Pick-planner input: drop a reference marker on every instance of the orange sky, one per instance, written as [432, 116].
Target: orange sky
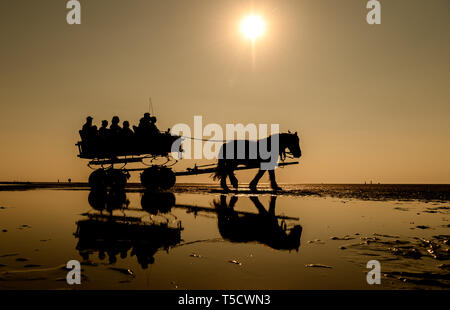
[370, 102]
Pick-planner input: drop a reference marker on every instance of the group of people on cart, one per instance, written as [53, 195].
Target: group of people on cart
[115, 138]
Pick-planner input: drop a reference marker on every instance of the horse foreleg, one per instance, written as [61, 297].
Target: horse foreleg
[273, 182]
[254, 183]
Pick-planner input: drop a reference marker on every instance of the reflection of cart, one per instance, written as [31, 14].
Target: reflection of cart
[114, 236]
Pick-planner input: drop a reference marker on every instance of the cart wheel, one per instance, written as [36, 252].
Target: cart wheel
[98, 179]
[167, 178]
[117, 179]
[149, 177]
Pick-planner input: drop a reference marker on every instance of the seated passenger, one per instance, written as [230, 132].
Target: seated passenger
[127, 137]
[127, 132]
[89, 131]
[115, 128]
[89, 135]
[153, 129]
[115, 132]
[103, 134]
[144, 122]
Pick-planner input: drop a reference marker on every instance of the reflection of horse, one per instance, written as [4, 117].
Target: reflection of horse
[262, 227]
[251, 157]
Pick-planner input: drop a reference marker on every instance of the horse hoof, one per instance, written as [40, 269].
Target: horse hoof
[253, 188]
[276, 188]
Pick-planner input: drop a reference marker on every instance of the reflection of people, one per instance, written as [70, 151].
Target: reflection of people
[262, 227]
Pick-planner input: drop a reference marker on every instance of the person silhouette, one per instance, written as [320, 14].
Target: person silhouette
[115, 128]
[144, 122]
[127, 132]
[126, 137]
[88, 129]
[152, 126]
[89, 134]
[103, 134]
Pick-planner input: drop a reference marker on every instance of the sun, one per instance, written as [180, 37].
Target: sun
[253, 27]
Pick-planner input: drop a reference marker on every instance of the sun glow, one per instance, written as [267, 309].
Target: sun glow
[253, 27]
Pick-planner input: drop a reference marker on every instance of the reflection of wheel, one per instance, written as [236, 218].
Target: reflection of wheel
[97, 199]
[98, 179]
[158, 177]
[157, 202]
[101, 199]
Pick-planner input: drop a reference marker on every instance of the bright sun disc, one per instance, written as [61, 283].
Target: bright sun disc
[252, 27]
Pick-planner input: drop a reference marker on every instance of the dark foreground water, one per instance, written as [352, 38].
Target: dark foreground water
[307, 237]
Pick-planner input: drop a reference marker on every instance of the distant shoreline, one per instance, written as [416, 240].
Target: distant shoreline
[439, 193]
[214, 183]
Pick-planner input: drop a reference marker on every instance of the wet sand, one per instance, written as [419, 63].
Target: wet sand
[195, 237]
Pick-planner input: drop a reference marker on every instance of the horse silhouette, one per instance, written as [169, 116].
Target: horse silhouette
[248, 153]
[262, 227]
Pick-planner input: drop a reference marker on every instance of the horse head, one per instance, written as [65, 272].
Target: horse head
[292, 143]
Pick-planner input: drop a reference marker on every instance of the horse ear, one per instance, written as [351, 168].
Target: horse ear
[296, 134]
[289, 131]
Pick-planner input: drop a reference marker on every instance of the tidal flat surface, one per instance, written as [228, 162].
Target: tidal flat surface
[195, 237]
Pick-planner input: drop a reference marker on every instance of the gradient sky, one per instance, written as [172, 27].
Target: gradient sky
[370, 102]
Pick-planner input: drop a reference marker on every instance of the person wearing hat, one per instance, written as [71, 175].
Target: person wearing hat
[89, 133]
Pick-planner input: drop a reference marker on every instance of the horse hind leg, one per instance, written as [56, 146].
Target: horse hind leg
[222, 173]
[223, 183]
[233, 179]
[254, 183]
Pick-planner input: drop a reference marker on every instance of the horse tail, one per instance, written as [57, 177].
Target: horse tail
[221, 170]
